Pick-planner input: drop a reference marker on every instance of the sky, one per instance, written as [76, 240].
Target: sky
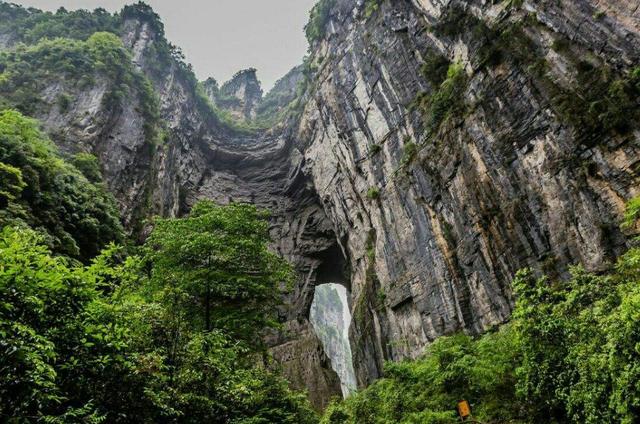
[220, 37]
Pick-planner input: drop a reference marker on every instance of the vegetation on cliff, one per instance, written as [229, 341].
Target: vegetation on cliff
[76, 217]
[29, 69]
[168, 331]
[602, 99]
[172, 331]
[31, 25]
[569, 355]
[318, 20]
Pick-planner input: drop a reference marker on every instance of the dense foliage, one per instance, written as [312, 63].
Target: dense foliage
[570, 354]
[172, 331]
[28, 70]
[77, 216]
[318, 19]
[579, 343]
[427, 390]
[32, 25]
[117, 341]
[218, 259]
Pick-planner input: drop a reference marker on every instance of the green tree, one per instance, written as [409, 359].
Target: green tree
[40, 300]
[43, 191]
[82, 344]
[218, 257]
[88, 165]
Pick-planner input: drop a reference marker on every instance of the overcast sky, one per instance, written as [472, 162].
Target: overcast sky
[220, 37]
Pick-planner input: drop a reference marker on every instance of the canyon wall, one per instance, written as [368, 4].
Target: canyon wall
[439, 206]
[430, 150]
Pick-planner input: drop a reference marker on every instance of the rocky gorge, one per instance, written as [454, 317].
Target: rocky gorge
[424, 152]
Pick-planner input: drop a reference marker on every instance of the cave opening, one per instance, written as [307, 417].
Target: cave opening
[330, 317]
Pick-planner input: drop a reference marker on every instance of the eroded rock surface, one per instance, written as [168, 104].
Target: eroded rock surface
[438, 218]
[423, 199]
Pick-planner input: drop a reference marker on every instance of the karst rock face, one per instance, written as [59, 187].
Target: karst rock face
[423, 192]
[239, 96]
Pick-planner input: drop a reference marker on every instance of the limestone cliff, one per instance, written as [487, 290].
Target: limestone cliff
[426, 151]
[441, 200]
[239, 96]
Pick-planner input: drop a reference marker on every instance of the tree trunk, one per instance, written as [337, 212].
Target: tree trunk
[207, 308]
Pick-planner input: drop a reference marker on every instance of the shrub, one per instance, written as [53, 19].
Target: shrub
[600, 14]
[64, 102]
[435, 68]
[632, 212]
[409, 152]
[447, 100]
[375, 149]
[11, 184]
[370, 7]
[89, 166]
[373, 193]
[599, 101]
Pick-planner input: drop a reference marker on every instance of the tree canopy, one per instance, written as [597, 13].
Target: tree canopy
[40, 189]
[217, 257]
[114, 342]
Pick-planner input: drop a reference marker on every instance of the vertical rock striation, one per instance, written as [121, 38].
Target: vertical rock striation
[444, 186]
[426, 151]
